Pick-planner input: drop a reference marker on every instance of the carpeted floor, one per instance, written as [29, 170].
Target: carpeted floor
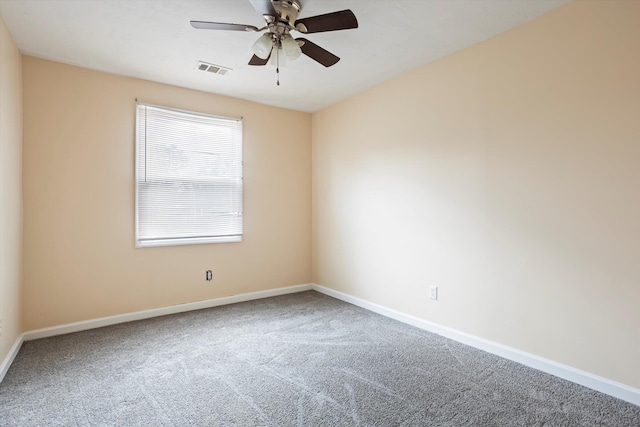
[296, 360]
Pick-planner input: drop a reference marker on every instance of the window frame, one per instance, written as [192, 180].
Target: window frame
[160, 242]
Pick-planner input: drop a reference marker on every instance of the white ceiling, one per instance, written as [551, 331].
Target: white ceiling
[153, 40]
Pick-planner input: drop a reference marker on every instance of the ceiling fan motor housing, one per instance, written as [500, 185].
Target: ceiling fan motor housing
[287, 9]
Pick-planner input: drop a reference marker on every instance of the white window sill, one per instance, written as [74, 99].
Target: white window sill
[187, 241]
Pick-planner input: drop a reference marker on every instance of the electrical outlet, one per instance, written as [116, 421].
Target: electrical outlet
[209, 275]
[433, 292]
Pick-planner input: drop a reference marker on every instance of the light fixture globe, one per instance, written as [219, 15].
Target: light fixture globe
[262, 47]
[278, 57]
[290, 47]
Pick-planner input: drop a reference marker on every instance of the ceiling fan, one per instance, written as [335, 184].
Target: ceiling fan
[281, 17]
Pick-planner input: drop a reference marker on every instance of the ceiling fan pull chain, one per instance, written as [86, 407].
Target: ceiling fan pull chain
[278, 66]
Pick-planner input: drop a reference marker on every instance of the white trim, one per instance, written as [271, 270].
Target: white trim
[592, 381]
[188, 112]
[8, 360]
[151, 243]
[162, 311]
[595, 382]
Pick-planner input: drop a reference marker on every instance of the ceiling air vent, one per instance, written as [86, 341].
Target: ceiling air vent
[215, 69]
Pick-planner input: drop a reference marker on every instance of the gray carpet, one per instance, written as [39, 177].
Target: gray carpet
[295, 360]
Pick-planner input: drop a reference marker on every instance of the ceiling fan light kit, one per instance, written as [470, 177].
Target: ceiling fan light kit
[262, 47]
[281, 17]
[278, 59]
[290, 47]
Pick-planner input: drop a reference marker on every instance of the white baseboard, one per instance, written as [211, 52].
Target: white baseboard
[8, 360]
[592, 381]
[139, 315]
[601, 384]
[162, 311]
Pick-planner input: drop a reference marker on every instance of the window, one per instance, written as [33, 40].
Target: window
[188, 177]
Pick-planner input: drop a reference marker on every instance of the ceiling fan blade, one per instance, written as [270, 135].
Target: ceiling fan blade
[342, 20]
[264, 7]
[255, 60]
[317, 53]
[202, 25]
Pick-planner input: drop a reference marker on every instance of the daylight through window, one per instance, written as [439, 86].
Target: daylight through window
[188, 177]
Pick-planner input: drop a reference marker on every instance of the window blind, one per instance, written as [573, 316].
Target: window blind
[188, 177]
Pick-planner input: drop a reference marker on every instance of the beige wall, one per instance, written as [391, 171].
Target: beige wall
[10, 189]
[508, 175]
[79, 257]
